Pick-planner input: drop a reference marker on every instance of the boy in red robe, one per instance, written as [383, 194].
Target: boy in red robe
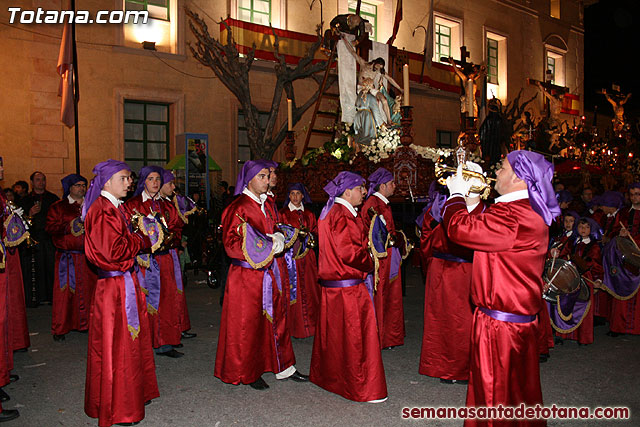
[584, 251]
[74, 281]
[625, 313]
[510, 242]
[254, 337]
[165, 296]
[346, 357]
[303, 309]
[388, 295]
[121, 373]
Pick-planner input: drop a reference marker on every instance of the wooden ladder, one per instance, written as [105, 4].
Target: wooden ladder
[320, 113]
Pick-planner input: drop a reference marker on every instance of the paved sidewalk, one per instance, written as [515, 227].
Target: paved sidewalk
[50, 391]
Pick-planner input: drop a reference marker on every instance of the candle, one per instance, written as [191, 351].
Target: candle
[290, 114]
[405, 80]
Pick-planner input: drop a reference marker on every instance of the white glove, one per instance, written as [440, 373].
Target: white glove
[278, 242]
[18, 211]
[457, 184]
[476, 182]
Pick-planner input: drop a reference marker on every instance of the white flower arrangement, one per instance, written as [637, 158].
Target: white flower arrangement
[382, 146]
[432, 153]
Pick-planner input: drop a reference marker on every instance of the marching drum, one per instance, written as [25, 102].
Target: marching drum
[561, 277]
[629, 253]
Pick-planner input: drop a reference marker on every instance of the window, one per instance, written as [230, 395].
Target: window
[158, 9]
[551, 69]
[554, 9]
[492, 61]
[496, 60]
[447, 37]
[444, 139]
[244, 151]
[146, 133]
[443, 41]
[369, 12]
[256, 11]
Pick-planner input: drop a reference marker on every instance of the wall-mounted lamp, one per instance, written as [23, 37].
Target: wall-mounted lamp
[149, 45]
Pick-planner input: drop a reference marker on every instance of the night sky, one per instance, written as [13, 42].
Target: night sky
[612, 38]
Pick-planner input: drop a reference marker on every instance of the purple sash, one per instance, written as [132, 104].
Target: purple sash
[130, 301]
[177, 272]
[449, 257]
[293, 275]
[267, 284]
[152, 285]
[347, 283]
[507, 317]
[396, 260]
[67, 271]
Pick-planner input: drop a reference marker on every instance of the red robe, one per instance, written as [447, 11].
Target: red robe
[18, 327]
[388, 296]
[346, 357]
[448, 312]
[602, 301]
[510, 242]
[625, 315]
[303, 313]
[593, 257]
[166, 322]
[121, 373]
[6, 353]
[70, 309]
[249, 344]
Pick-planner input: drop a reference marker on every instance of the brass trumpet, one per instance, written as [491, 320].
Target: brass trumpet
[304, 231]
[443, 171]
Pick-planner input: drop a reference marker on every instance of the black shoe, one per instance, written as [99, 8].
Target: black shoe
[171, 353]
[558, 340]
[147, 403]
[613, 334]
[259, 384]
[544, 358]
[463, 382]
[390, 347]
[443, 381]
[8, 415]
[298, 377]
[189, 335]
[4, 396]
[599, 320]
[58, 338]
[21, 350]
[178, 345]
[13, 378]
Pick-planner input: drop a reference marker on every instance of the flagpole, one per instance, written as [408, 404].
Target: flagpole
[76, 89]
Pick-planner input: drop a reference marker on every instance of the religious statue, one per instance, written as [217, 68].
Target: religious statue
[618, 110]
[348, 23]
[492, 134]
[469, 75]
[553, 124]
[374, 105]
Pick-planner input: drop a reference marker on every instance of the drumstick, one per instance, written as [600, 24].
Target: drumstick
[634, 242]
[554, 276]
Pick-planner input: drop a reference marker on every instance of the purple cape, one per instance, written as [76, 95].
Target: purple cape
[70, 180]
[533, 169]
[103, 171]
[380, 176]
[345, 180]
[144, 174]
[248, 171]
[306, 198]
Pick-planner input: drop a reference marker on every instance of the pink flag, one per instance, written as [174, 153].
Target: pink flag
[65, 69]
